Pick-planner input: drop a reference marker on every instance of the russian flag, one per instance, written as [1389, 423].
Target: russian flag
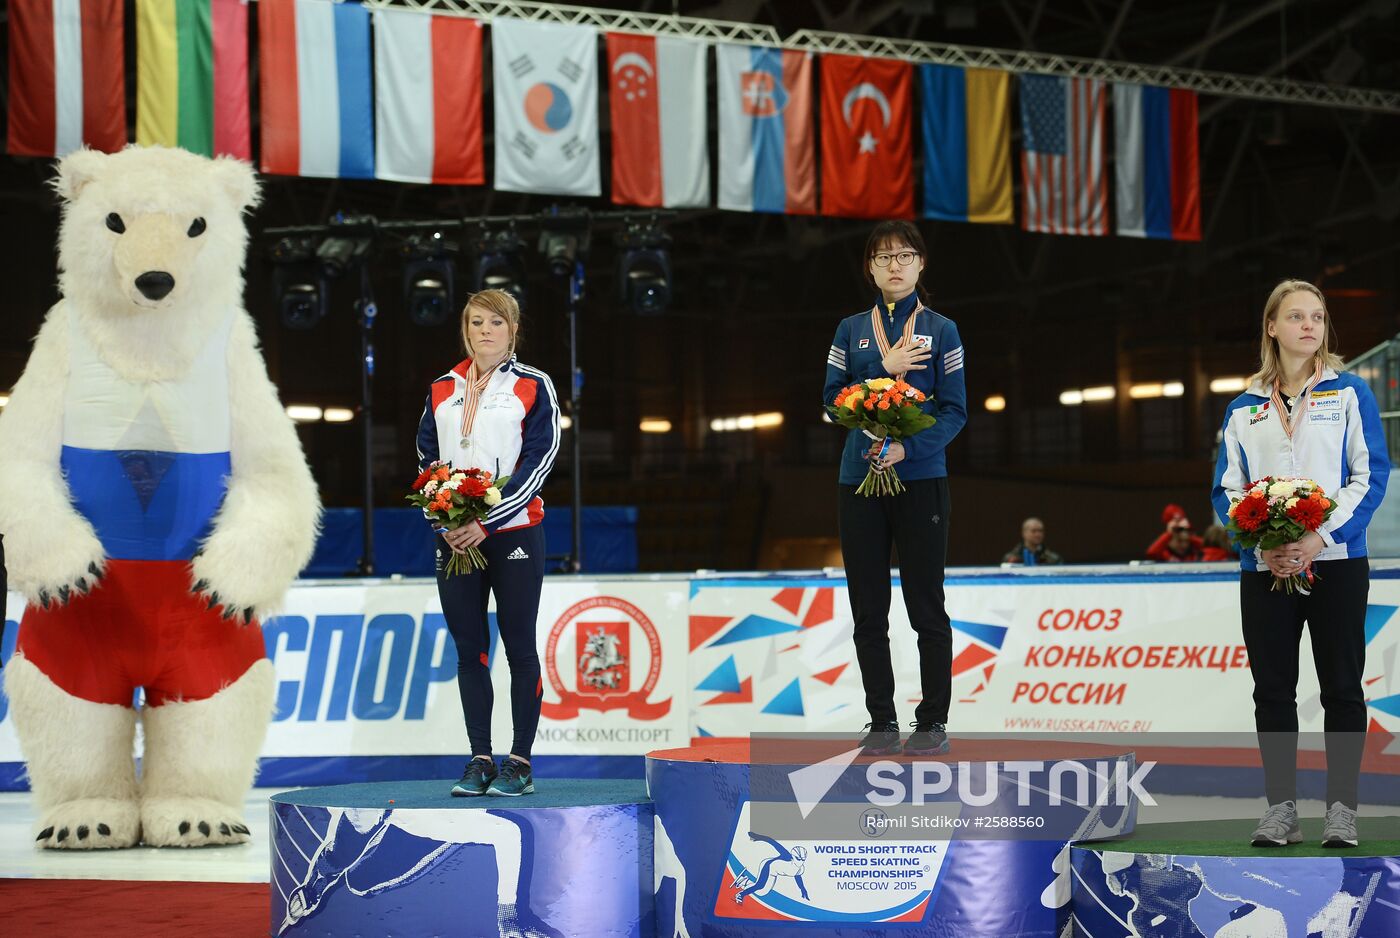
[966, 122]
[427, 98]
[767, 136]
[317, 102]
[67, 78]
[656, 92]
[1158, 165]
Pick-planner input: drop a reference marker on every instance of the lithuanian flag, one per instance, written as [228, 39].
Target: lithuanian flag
[192, 75]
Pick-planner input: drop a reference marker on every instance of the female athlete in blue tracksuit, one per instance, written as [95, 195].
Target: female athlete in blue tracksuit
[899, 336]
[1303, 417]
[493, 413]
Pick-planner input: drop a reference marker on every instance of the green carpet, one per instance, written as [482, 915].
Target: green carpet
[1380, 837]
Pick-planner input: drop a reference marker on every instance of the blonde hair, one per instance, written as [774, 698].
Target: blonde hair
[501, 304]
[1270, 364]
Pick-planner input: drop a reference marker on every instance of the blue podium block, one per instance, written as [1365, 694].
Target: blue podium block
[749, 847]
[1203, 878]
[573, 860]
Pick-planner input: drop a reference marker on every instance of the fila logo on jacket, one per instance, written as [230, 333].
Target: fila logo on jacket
[1337, 442]
[515, 433]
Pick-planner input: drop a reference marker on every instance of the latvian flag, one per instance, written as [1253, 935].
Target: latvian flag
[67, 81]
[192, 75]
[656, 91]
[427, 98]
[1158, 166]
[317, 103]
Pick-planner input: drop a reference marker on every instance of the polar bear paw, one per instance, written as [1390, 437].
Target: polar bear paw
[64, 564]
[191, 822]
[90, 824]
[246, 583]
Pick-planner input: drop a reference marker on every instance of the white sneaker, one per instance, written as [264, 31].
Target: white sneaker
[1279, 826]
[1339, 830]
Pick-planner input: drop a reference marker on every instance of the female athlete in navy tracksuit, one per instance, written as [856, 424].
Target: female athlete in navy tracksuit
[1303, 417]
[493, 413]
[897, 337]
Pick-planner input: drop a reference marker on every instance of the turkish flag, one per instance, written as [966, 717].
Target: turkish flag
[867, 154]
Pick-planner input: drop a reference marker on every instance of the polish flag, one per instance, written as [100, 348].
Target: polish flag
[656, 91]
[67, 77]
[427, 98]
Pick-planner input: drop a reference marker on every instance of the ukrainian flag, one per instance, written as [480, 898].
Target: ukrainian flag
[966, 122]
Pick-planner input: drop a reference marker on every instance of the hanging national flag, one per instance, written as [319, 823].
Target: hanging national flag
[656, 93]
[1158, 165]
[967, 143]
[546, 99]
[1062, 155]
[317, 106]
[867, 159]
[427, 98]
[767, 142]
[67, 79]
[192, 75]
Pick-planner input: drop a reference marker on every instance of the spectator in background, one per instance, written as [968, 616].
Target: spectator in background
[1177, 544]
[1032, 550]
[1217, 544]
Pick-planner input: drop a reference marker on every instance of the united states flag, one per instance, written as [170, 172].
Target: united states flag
[1062, 156]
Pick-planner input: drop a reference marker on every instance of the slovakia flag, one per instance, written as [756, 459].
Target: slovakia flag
[656, 90]
[767, 142]
[867, 155]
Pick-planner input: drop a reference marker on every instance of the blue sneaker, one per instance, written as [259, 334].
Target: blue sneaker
[514, 780]
[476, 779]
[928, 739]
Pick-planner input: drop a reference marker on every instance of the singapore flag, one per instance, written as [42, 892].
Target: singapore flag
[656, 96]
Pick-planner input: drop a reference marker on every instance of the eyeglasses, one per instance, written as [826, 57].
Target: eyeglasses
[905, 258]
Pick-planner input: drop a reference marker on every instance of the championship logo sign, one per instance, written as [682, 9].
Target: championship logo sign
[598, 652]
[877, 881]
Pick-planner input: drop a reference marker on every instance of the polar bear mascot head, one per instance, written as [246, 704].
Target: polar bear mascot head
[152, 249]
[155, 504]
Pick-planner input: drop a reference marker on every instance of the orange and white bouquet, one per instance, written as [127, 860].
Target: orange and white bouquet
[452, 498]
[883, 409]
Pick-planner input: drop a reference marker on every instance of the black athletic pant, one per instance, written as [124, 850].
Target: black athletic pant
[915, 523]
[514, 573]
[1335, 613]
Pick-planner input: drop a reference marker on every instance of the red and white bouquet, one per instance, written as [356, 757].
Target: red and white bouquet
[452, 498]
[1277, 511]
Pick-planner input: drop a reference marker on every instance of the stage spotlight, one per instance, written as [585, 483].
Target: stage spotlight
[500, 263]
[428, 280]
[299, 282]
[644, 267]
[564, 238]
[348, 245]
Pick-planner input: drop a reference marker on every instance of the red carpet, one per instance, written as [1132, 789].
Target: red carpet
[37, 908]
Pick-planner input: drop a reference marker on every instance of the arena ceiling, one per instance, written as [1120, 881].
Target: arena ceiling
[1287, 190]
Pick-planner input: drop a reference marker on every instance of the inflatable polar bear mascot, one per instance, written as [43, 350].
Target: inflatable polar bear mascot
[155, 503]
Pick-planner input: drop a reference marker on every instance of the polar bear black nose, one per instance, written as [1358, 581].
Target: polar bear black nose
[155, 284]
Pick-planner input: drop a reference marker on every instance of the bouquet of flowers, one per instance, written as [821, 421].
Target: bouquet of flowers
[453, 497]
[883, 409]
[1274, 512]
